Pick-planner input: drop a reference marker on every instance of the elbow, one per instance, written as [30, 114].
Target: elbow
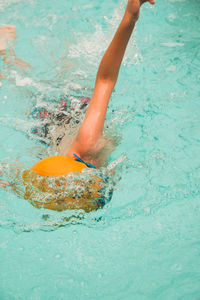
[107, 76]
[106, 80]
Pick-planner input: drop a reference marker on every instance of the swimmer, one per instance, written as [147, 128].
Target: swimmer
[87, 149]
[7, 47]
[52, 125]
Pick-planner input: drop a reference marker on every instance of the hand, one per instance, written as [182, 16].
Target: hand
[7, 35]
[133, 7]
[4, 183]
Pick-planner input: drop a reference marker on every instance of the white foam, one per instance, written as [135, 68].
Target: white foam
[116, 162]
[26, 81]
[172, 44]
[177, 0]
[171, 68]
[90, 47]
[4, 4]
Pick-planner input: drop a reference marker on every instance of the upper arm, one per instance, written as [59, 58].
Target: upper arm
[90, 132]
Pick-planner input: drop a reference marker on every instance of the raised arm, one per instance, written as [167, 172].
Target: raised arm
[91, 129]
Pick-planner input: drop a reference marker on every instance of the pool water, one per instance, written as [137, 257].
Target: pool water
[145, 243]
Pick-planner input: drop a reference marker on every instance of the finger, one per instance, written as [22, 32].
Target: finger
[150, 1]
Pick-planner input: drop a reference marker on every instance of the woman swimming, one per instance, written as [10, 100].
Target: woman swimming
[86, 150]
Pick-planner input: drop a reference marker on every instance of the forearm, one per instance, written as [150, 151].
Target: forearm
[107, 75]
[111, 61]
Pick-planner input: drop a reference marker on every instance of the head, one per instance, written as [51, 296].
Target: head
[62, 193]
[52, 184]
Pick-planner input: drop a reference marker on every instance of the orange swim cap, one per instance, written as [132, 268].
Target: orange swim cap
[57, 166]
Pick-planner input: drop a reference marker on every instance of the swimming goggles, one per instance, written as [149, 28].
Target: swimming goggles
[89, 165]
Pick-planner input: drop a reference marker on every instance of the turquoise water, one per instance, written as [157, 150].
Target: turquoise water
[145, 243]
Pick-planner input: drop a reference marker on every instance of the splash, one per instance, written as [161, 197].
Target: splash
[35, 192]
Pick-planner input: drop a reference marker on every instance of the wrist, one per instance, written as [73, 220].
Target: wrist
[130, 17]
